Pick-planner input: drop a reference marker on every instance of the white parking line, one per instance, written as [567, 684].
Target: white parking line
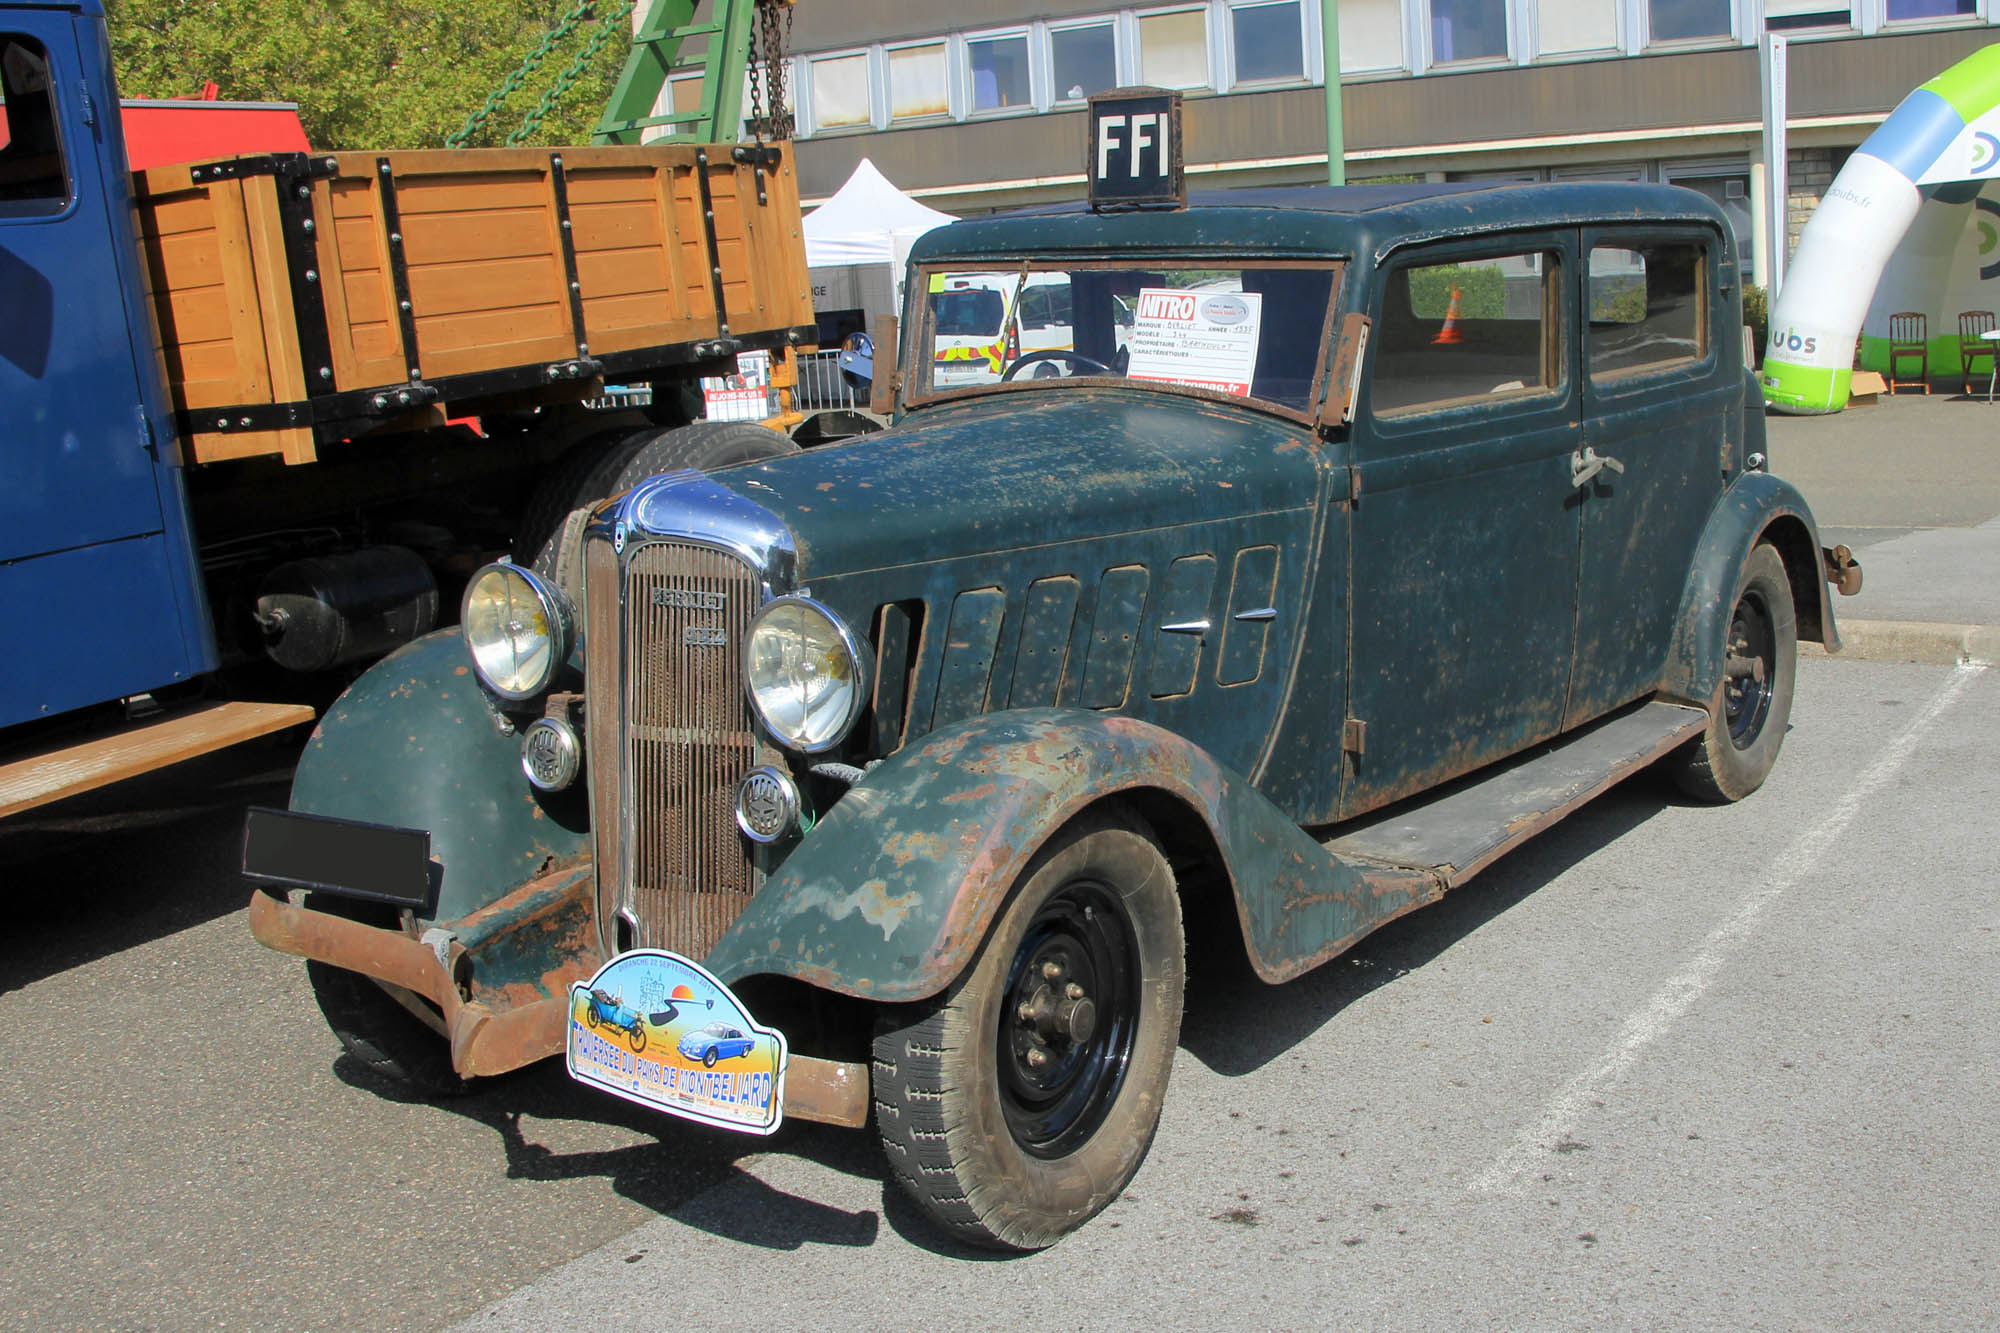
[1679, 993]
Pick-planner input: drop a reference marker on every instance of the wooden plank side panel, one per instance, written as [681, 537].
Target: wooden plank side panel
[369, 349]
[266, 229]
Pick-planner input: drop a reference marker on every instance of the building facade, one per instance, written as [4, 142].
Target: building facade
[972, 113]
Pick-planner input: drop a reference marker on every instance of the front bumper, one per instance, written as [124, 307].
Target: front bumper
[487, 1041]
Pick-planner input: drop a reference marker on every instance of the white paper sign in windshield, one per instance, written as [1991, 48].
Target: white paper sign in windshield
[1206, 340]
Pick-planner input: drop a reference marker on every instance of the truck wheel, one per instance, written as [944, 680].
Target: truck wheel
[1748, 715]
[1019, 1104]
[701, 444]
[375, 1029]
[581, 476]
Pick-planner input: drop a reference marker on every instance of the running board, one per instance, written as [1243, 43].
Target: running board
[126, 752]
[1460, 832]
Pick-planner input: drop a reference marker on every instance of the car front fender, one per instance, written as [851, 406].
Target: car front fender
[1756, 507]
[417, 743]
[889, 896]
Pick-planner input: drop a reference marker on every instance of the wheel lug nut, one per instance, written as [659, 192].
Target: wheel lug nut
[1052, 970]
[1073, 991]
[1026, 1013]
[1037, 1057]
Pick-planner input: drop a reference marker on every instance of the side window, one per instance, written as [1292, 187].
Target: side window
[33, 180]
[1455, 334]
[1035, 308]
[1647, 308]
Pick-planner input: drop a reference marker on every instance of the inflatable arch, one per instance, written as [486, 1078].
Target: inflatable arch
[1919, 174]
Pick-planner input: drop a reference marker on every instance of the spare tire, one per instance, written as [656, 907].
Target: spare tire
[703, 445]
[583, 475]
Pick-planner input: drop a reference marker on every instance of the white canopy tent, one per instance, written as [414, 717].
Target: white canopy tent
[867, 221]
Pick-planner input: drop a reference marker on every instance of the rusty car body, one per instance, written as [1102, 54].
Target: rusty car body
[923, 744]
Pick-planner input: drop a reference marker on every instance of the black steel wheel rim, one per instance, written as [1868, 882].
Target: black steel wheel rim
[1752, 666]
[1070, 1018]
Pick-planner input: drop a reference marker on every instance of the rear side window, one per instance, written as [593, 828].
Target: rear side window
[970, 312]
[1647, 308]
[1456, 334]
[33, 180]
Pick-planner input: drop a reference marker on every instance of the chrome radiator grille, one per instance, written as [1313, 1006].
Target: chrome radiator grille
[667, 756]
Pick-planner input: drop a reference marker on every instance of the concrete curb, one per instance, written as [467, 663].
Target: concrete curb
[1913, 641]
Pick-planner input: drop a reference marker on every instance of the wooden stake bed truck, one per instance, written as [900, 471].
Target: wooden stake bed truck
[273, 409]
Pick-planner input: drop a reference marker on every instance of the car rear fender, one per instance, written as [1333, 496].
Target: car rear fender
[891, 893]
[1757, 507]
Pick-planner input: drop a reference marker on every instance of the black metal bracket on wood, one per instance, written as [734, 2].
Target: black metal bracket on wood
[399, 269]
[245, 417]
[338, 415]
[762, 157]
[708, 231]
[566, 239]
[299, 166]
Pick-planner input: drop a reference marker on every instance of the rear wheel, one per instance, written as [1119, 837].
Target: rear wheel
[376, 1027]
[1019, 1105]
[1752, 706]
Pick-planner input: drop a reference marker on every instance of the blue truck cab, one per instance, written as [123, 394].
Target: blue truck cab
[93, 514]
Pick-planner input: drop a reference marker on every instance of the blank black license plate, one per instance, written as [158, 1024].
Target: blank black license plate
[375, 862]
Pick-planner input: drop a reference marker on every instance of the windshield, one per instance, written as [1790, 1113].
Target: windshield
[1239, 332]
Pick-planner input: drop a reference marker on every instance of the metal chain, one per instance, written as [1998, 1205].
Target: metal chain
[512, 83]
[770, 113]
[567, 79]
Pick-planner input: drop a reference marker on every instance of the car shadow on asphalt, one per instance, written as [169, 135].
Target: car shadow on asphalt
[1236, 1024]
[688, 1172]
[112, 869]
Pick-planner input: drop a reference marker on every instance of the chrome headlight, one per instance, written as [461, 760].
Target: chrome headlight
[805, 674]
[517, 627]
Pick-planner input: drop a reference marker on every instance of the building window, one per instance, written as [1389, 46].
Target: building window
[917, 81]
[1270, 44]
[1173, 49]
[1565, 26]
[1085, 60]
[1906, 10]
[1682, 20]
[999, 72]
[1786, 15]
[1468, 30]
[840, 91]
[1371, 34]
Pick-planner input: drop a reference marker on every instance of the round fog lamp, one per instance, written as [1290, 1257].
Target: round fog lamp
[804, 670]
[551, 755]
[767, 804]
[517, 628]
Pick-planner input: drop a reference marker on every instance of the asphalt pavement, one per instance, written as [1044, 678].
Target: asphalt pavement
[1912, 485]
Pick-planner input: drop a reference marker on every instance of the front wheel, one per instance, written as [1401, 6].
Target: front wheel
[1017, 1106]
[637, 1034]
[1751, 708]
[377, 1029]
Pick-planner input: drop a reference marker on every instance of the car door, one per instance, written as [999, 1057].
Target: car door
[1660, 400]
[1463, 540]
[86, 556]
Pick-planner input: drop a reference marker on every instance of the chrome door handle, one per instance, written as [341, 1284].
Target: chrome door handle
[1586, 463]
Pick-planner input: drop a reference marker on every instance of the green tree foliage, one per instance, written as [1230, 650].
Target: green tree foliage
[365, 73]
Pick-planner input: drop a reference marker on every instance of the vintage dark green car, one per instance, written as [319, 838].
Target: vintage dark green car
[1351, 538]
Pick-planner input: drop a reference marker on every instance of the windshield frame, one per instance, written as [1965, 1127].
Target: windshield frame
[918, 390]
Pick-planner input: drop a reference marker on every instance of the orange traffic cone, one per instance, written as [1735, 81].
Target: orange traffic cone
[1449, 332]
